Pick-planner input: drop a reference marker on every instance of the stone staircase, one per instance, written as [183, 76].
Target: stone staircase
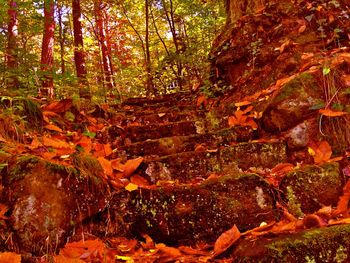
[202, 179]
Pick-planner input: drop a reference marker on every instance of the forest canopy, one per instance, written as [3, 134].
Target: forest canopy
[106, 48]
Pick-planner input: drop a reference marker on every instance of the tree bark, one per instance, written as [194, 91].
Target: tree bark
[106, 63]
[79, 55]
[12, 34]
[169, 14]
[61, 37]
[47, 49]
[149, 78]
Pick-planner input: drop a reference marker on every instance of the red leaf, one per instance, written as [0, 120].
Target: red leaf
[226, 240]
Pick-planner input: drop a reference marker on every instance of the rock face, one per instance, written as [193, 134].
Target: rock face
[260, 48]
[47, 201]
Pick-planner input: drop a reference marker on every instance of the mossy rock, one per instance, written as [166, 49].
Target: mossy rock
[328, 244]
[308, 189]
[292, 103]
[190, 213]
[47, 200]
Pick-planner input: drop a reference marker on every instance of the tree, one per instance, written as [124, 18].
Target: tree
[47, 49]
[149, 78]
[12, 34]
[79, 56]
[101, 34]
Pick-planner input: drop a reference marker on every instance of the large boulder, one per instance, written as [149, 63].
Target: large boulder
[48, 200]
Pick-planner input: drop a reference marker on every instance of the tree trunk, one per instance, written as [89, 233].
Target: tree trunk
[61, 37]
[47, 49]
[79, 55]
[149, 78]
[12, 34]
[107, 69]
[169, 14]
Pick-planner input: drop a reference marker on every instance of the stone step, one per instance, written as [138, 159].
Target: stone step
[327, 244]
[141, 101]
[189, 213]
[177, 144]
[133, 134]
[152, 109]
[158, 118]
[188, 166]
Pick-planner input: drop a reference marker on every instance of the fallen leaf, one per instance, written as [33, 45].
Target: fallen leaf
[3, 210]
[243, 103]
[201, 100]
[106, 165]
[192, 251]
[117, 165]
[131, 187]
[320, 151]
[171, 251]
[332, 113]
[10, 257]
[302, 29]
[139, 180]
[102, 150]
[343, 203]
[52, 127]
[91, 249]
[226, 240]
[55, 143]
[160, 115]
[132, 165]
[63, 259]
[59, 106]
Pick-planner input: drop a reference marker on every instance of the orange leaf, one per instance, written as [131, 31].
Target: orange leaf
[139, 180]
[84, 249]
[10, 257]
[86, 143]
[302, 29]
[243, 103]
[59, 106]
[171, 252]
[343, 203]
[55, 143]
[52, 127]
[63, 259]
[102, 150]
[322, 152]
[226, 240]
[201, 100]
[250, 122]
[117, 165]
[331, 113]
[3, 210]
[106, 165]
[132, 165]
[281, 169]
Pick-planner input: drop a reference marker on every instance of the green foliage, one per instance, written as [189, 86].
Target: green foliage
[196, 24]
